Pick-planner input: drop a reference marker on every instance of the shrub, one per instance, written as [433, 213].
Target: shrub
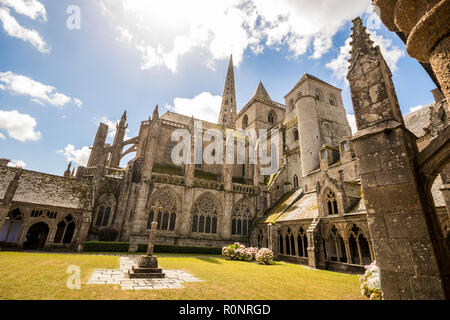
[264, 256]
[370, 282]
[107, 234]
[238, 251]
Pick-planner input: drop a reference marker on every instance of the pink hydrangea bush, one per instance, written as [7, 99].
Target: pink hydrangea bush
[370, 282]
[240, 252]
[264, 256]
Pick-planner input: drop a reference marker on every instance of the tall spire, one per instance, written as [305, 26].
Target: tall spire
[228, 110]
[360, 41]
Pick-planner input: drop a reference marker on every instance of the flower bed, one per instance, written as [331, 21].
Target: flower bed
[239, 252]
[370, 282]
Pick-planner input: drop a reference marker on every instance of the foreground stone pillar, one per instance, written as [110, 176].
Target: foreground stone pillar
[84, 229]
[405, 237]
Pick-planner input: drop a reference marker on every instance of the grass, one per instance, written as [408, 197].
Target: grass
[43, 276]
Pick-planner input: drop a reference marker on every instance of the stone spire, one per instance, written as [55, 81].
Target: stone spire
[228, 110]
[117, 146]
[261, 92]
[360, 40]
[373, 92]
[67, 172]
[123, 120]
[155, 115]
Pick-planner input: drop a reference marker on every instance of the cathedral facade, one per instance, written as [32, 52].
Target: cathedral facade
[311, 210]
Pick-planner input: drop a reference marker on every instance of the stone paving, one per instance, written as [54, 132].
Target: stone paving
[174, 278]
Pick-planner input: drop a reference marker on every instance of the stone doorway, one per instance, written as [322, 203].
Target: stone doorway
[36, 236]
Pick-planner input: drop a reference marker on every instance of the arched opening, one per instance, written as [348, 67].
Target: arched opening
[205, 215]
[331, 203]
[281, 244]
[295, 134]
[165, 206]
[36, 236]
[272, 117]
[288, 246]
[245, 122]
[12, 226]
[318, 95]
[106, 203]
[241, 220]
[295, 181]
[65, 230]
[332, 100]
[302, 243]
[336, 246]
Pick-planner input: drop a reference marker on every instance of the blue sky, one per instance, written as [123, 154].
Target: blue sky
[56, 84]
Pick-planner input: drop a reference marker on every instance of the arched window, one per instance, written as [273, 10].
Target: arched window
[359, 247]
[11, 227]
[302, 243]
[241, 222]
[65, 230]
[165, 206]
[105, 209]
[272, 117]
[331, 203]
[295, 133]
[336, 247]
[280, 243]
[295, 181]
[299, 95]
[245, 122]
[318, 95]
[205, 214]
[332, 100]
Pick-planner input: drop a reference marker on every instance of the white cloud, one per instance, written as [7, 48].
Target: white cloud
[412, 109]
[14, 29]
[163, 31]
[17, 164]
[204, 106]
[391, 54]
[2, 136]
[38, 92]
[111, 127]
[30, 8]
[19, 126]
[352, 122]
[78, 156]
[78, 102]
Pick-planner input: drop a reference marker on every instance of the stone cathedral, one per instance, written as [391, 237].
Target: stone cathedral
[337, 200]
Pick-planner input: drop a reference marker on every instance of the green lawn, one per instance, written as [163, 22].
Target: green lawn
[43, 276]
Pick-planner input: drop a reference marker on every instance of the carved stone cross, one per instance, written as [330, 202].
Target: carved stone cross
[151, 239]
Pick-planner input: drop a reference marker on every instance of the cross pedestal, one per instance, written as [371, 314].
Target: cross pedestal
[147, 267]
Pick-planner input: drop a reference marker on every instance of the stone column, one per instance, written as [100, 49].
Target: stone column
[86, 217]
[348, 252]
[3, 214]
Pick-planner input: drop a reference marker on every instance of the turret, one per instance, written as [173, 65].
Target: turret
[97, 156]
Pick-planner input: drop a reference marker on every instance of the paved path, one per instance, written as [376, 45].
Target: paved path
[174, 278]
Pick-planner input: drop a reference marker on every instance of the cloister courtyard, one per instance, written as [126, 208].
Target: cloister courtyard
[39, 276]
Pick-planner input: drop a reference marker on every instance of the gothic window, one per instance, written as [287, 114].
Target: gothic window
[165, 207]
[331, 203]
[11, 227]
[272, 117]
[344, 146]
[105, 208]
[295, 134]
[205, 214]
[245, 122]
[295, 181]
[280, 243]
[36, 213]
[65, 230]
[241, 222]
[302, 243]
[336, 247]
[318, 95]
[332, 100]
[359, 247]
